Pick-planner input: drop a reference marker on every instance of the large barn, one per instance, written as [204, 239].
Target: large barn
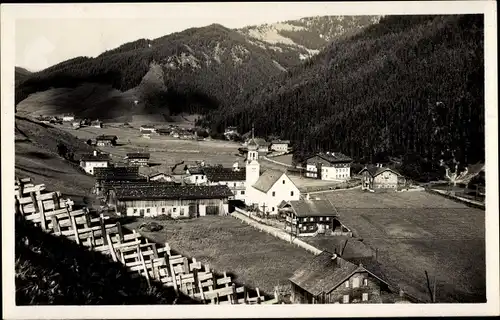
[176, 201]
[376, 178]
[115, 174]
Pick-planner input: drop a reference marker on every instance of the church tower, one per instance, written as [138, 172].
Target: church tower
[252, 167]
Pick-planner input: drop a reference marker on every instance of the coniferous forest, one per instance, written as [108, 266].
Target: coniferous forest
[410, 87]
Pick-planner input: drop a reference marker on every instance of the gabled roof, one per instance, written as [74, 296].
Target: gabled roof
[375, 171]
[332, 157]
[138, 184]
[106, 137]
[118, 174]
[313, 208]
[137, 155]
[158, 174]
[326, 272]
[195, 170]
[267, 180]
[92, 157]
[224, 174]
[186, 192]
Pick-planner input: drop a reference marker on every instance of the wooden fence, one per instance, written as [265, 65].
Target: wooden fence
[154, 262]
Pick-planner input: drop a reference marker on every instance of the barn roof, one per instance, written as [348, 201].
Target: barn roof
[224, 174]
[137, 184]
[137, 155]
[118, 174]
[323, 274]
[327, 271]
[267, 180]
[92, 157]
[106, 137]
[186, 192]
[313, 208]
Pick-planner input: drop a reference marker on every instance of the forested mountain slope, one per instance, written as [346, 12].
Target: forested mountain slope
[410, 86]
[200, 69]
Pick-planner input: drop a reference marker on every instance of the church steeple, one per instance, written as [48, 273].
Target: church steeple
[252, 147]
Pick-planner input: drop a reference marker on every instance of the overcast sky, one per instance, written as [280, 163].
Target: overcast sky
[47, 37]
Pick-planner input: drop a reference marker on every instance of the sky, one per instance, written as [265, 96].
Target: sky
[45, 36]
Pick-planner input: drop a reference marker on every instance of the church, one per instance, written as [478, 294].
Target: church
[268, 190]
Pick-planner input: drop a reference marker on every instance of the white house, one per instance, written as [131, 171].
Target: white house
[68, 117]
[147, 129]
[94, 160]
[280, 145]
[160, 176]
[234, 178]
[196, 176]
[268, 190]
[329, 166]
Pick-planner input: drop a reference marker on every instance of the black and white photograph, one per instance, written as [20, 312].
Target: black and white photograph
[267, 159]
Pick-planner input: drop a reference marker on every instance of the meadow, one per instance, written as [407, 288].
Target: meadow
[254, 258]
[414, 232]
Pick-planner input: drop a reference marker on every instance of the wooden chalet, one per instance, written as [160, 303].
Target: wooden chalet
[307, 217]
[176, 201]
[329, 166]
[115, 174]
[331, 279]
[89, 162]
[378, 177]
[138, 159]
[106, 140]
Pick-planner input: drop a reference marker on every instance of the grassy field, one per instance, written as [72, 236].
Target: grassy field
[418, 231]
[36, 157]
[253, 258]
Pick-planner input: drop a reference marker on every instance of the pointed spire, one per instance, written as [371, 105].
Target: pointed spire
[253, 131]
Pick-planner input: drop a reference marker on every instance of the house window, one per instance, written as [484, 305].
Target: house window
[311, 227]
[283, 181]
[175, 209]
[320, 218]
[365, 297]
[304, 228]
[327, 226]
[291, 193]
[346, 284]
[242, 192]
[274, 193]
[272, 209]
[196, 177]
[365, 282]
[300, 225]
[345, 299]
[147, 210]
[182, 212]
[235, 184]
[327, 218]
[162, 210]
[355, 282]
[135, 210]
[311, 219]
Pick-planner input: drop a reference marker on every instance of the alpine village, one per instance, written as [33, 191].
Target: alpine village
[324, 160]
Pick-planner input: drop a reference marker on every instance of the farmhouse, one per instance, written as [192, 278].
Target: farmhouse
[330, 279]
[307, 217]
[138, 159]
[147, 128]
[96, 124]
[268, 190]
[329, 166]
[196, 176]
[280, 145]
[160, 176]
[234, 178]
[68, 117]
[105, 140]
[163, 131]
[76, 125]
[115, 174]
[94, 160]
[178, 201]
[379, 177]
[146, 134]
